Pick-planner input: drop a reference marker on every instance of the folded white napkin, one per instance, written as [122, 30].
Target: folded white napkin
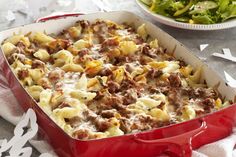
[221, 148]
[12, 112]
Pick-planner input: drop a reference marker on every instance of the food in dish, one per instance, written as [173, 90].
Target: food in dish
[194, 11]
[104, 79]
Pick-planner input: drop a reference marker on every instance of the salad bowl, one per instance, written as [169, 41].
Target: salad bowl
[230, 23]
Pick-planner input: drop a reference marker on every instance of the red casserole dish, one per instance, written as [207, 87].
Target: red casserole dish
[174, 140]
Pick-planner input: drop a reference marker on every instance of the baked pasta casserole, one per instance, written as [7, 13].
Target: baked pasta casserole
[101, 79]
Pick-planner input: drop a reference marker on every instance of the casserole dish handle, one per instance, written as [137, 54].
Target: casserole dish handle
[178, 145]
[53, 17]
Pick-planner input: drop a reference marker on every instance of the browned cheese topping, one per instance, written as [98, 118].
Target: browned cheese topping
[103, 79]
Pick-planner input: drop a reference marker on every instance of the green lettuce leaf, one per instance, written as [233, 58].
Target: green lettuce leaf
[185, 9]
[230, 12]
[202, 19]
[223, 4]
[162, 7]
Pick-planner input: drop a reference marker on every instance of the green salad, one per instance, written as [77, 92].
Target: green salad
[194, 11]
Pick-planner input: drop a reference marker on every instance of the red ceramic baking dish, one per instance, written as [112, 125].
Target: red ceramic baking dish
[174, 140]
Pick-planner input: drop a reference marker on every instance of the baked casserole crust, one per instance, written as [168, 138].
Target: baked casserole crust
[103, 79]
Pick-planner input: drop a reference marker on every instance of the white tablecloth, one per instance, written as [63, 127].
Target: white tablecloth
[12, 112]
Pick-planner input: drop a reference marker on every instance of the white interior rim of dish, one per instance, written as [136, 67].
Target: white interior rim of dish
[171, 22]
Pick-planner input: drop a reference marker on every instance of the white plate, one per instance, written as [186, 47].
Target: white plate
[171, 22]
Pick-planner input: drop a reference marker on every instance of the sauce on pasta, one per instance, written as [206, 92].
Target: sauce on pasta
[103, 79]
